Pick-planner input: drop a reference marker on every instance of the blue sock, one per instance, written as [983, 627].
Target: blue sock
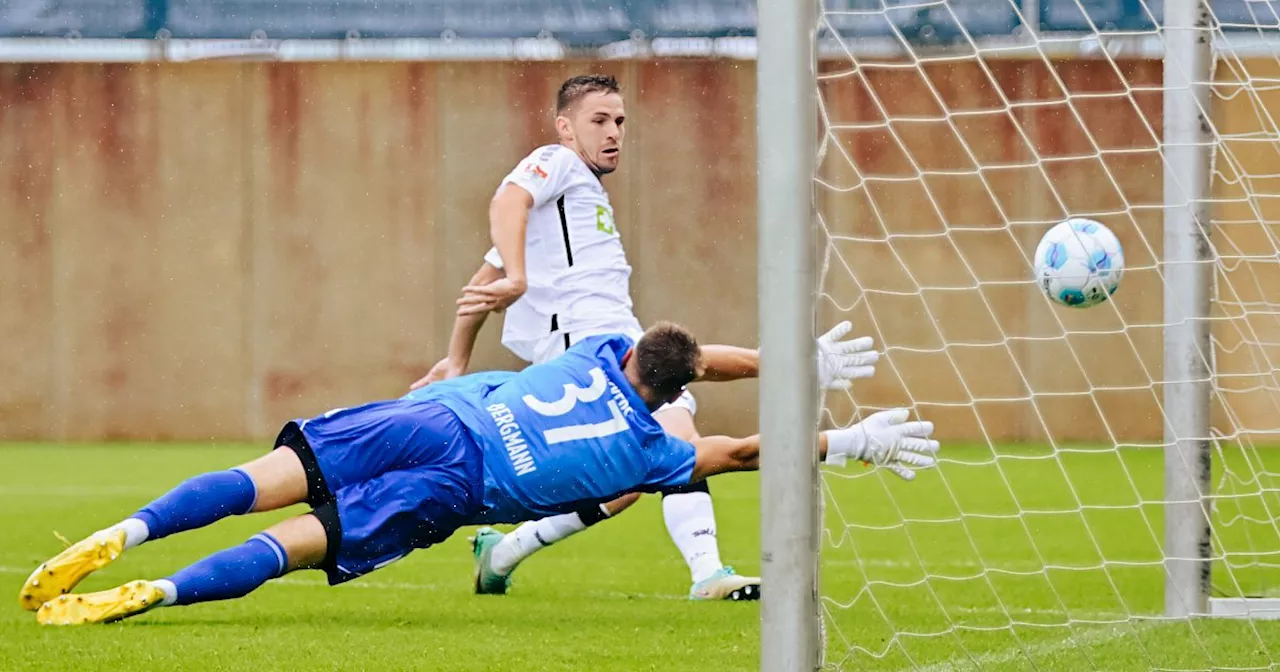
[199, 501]
[231, 573]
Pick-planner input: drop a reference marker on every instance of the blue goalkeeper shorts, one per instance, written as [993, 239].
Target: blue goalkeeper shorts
[386, 478]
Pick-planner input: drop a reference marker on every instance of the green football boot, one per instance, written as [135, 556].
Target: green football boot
[488, 582]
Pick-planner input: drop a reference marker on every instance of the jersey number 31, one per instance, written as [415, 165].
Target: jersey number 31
[573, 394]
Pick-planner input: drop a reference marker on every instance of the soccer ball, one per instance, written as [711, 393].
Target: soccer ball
[1079, 263]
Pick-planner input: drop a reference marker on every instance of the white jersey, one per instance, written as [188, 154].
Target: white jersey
[578, 276]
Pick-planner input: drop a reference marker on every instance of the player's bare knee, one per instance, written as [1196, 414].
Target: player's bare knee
[303, 539]
[279, 479]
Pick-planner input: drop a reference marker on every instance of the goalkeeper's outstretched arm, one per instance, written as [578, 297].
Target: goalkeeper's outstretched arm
[885, 439]
[839, 361]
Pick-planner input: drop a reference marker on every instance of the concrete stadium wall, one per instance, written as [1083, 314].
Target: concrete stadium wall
[205, 251]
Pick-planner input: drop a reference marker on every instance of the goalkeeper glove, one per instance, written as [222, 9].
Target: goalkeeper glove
[841, 362]
[885, 439]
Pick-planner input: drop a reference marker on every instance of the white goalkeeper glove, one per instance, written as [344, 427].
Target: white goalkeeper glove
[841, 362]
[885, 439]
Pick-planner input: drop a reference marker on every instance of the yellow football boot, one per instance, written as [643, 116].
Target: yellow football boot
[60, 574]
[105, 606]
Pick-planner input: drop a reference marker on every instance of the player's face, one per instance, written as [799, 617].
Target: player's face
[594, 125]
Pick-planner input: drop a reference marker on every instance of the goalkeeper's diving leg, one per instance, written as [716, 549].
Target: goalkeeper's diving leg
[382, 479]
[296, 543]
[273, 481]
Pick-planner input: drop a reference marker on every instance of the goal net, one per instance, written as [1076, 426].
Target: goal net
[952, 137]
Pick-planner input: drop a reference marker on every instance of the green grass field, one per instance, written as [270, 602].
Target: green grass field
[1069, 584]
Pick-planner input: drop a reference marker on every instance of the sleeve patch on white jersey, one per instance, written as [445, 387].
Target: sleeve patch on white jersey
[535, 173]
[544, 173]
[604, 220]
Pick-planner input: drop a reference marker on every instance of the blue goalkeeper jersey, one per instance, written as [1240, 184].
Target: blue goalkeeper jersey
[563, 433]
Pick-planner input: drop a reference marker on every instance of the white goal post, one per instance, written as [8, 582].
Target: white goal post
[1107, 480]
[1188, 283]
[786, 127]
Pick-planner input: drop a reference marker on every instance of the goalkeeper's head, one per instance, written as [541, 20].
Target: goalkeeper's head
[589, 117]
[662, 363]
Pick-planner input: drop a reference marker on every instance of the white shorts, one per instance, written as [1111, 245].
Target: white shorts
[555, 343]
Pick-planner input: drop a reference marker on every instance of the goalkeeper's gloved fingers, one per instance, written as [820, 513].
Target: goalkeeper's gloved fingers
[906, 463]
[838, 384]
[923, 446]
[857, 372]
[915, 459]
[864, 357]
[837, 332]
[843, 379]
[858, 345]
[891, 417]
[918, 429]
[901, 471]
[853, 370]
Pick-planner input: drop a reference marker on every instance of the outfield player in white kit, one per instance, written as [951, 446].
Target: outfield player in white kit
[559, 271]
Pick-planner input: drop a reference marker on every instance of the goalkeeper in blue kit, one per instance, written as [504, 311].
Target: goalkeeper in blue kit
[389, 477]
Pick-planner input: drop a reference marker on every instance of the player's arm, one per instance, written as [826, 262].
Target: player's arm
[721, 363]
[462, 342]
[884, 438]
[839, 361]
[722, 454]
[466, 328]
[508, 226]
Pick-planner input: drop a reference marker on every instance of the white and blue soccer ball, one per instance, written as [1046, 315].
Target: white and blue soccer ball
[1079, 263]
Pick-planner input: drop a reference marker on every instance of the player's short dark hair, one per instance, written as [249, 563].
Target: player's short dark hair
[668, 358]
[576, 87]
